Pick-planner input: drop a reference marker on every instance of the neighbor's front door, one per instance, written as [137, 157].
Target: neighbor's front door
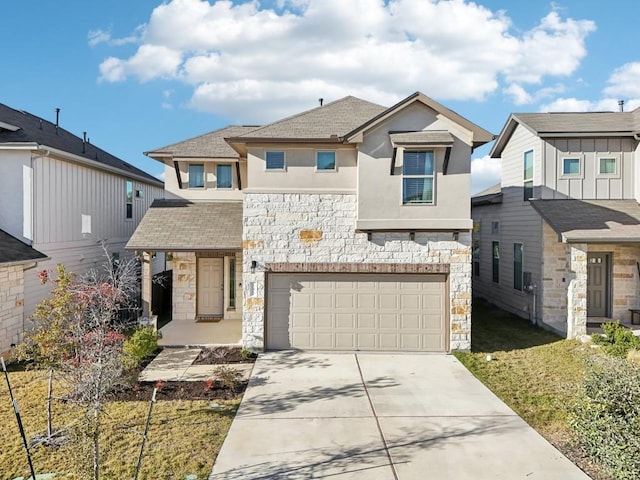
[210, 286]
[598, 285]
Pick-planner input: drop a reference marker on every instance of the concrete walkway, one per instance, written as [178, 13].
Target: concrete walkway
[176, 365]
[379, 416]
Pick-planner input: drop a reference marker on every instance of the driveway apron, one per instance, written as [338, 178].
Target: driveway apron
[379, 416]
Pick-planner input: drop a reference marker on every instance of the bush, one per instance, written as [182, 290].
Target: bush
[140, 345]
[606, 418]
[617, 340]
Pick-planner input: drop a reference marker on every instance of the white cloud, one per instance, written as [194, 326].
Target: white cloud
[625, 81]
[96, 37]
[485, 172]
[305, 49]
[518, 95]
[160, 176]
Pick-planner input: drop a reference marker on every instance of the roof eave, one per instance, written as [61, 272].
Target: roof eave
[25, 261]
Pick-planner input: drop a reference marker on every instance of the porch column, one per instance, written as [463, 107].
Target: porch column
[577, 292]
[146, 287]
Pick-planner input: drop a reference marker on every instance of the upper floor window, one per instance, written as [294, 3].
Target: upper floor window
[275, 160]
[223, 176]
[196, 175]
[325, 160]
[517, 266]
[129, 188]
[528, 175]
[417, 176]
[495, 253]
[495, 228]
[571, 166]
[608, 166]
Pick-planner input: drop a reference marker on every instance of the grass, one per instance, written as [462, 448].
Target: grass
[537, 373]
[184, 436]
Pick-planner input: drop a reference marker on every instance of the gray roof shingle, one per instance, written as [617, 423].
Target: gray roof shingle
[578, 122]
[592, 221]
[33, 129]
[180, 225]
[208, 145]
[13, 251]
[334, 119]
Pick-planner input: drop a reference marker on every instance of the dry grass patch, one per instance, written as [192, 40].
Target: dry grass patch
[184, 438]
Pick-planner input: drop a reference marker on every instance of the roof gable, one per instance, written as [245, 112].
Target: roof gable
[30, 129]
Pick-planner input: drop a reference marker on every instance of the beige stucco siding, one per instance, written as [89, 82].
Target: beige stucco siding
[380, 193]
[210, 192]
[300, 174]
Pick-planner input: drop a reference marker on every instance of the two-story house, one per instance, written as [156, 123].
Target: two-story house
[64, 197]
[558, 241]
[345, 227]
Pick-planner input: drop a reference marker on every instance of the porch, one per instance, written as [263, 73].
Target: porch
[185, 333]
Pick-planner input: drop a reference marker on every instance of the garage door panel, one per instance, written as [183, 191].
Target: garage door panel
[357, 312]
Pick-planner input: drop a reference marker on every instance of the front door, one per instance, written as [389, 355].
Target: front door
[210, 286]
[598, 285]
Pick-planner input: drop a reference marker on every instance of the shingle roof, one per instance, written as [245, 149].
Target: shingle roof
[424, 137]
[180, 225]
[334, 119]
[13, 250]
[33, 129]
[208, 145]
[488, 196]
[578, 122]
[592, 221]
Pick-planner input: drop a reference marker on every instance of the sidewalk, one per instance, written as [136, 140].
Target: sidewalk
[176, 365]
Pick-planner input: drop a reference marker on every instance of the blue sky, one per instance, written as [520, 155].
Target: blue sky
[137, 75]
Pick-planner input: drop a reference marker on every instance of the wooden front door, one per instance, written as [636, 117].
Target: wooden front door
[210, 286]
[598, 285]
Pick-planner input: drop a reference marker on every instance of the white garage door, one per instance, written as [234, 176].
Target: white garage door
[357, 312]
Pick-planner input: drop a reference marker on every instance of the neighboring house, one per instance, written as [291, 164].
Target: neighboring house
[345, 227]
[559, 241]
[65, 197]
[15, 258]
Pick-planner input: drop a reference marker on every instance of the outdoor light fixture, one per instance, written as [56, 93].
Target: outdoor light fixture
[254, 264]
[455, 236]
[412, 235]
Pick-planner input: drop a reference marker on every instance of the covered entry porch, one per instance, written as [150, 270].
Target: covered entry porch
[203, 245]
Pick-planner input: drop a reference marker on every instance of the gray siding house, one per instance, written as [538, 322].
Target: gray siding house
[558, 241]
[353, 233]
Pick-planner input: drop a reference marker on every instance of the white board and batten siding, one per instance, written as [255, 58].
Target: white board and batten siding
[518, 223]
[67, 198]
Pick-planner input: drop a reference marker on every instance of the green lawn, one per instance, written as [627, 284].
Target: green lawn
[535, 372]
[184, 437]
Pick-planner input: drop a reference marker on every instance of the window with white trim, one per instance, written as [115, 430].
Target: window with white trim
[518, 260]
[528, 175]
[495, 267]
[223, 176]
[326, 161]
[418, 168]
[275, 160]
[571, 167]
[196, 175]
[608, 166]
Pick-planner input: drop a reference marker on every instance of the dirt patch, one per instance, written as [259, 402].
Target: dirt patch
[222, 355]
[202, 390]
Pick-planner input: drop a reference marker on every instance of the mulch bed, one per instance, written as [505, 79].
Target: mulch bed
[200, 390]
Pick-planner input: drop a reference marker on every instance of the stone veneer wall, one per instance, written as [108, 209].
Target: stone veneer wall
[184, 286]
[320, 228]
[556, 277]
[625, 283]
[11, 305]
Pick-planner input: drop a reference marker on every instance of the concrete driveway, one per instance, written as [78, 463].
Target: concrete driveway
[379, 416]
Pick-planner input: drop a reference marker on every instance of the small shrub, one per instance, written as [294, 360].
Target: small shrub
[617, 340]
[139, 346]
[227, 376]
[606, 418]
[247, 354]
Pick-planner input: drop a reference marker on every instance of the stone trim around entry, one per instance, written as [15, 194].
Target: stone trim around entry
[357, 268]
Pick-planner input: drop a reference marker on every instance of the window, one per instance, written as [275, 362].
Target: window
[223, 176]
[275, 160]
[476, 258]
[608, 166]
[495, 249]
[129, 199]
[417, 173]
[528, 175]
[517, 266]
[571, 166]
[139, 193]
[495, 228]
[232, 282]
[196, 175]
[325, 160]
